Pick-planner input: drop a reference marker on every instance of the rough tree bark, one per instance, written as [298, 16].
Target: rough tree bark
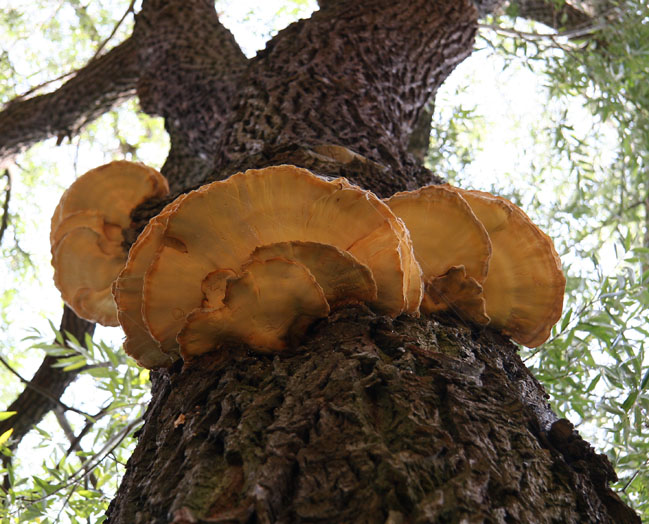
[372, 419]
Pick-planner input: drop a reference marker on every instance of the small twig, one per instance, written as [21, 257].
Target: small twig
[89, 424]
[12, 370]
[4, 223]
[571, 33]
[65, 503]
[40, 86]
[98, 51]
[112, 34]
[107, 449]
[63, 422]
[41, 391]
[74, 441]
[637, 472]
[88, 466]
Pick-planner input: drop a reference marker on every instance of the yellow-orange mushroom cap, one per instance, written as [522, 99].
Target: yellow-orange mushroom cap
[269, 308]
[113, 190]
[343, 279]
[458, 292]
[127, 291]
[525, 284]
[219, 226]
[446, 234]
[98, 202]
[84, 272]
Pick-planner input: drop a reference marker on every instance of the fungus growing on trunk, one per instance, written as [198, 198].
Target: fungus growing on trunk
[220, 225]
[86, 234]
[525, 284]
[482, 257]
[344, 280]
[451, 246]
[127, 291]
[210, 269]
[85, 265]
[269, 308]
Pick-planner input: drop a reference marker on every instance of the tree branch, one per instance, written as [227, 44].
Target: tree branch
[558, 15]
[112, 33]
[69, 433]
[92, 91]
[44, 390]
[4, 222]
[579, 32]
[190, 69]
[323, 79]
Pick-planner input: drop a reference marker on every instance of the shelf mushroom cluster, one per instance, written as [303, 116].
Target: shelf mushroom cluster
[482, 257]
[86, 234]
[258, 257]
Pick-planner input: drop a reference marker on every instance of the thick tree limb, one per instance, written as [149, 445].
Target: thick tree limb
[190, 67]
[95, 89]
[172, 85]
[419, 140]
[352, 75]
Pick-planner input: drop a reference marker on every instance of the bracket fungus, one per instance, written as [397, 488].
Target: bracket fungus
[344, 280]
[127, 291]
[200, 255]
[451, 246]
[525, 284]
[256, 258]
[86, 234]
[482, 257]
[219, 225]
[269, 307]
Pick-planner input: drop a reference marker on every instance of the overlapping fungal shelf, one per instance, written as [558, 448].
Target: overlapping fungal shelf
[86, 234]
[517, 288]
[257, 258]
[210, 274]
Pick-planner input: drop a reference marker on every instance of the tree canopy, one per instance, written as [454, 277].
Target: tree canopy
[551, 110]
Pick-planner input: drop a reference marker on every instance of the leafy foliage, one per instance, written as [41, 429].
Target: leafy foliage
[76, 477]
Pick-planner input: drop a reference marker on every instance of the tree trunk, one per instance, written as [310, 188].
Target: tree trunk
[371, 419]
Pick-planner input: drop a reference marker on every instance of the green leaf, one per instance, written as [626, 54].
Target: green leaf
[4, 415]
[593, 383]
[630, 401]
[645, 380]
[46, 486]
[5, 436]
[566, 320]
[99, 372]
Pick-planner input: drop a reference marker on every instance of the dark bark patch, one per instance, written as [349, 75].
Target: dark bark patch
[372, 420]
